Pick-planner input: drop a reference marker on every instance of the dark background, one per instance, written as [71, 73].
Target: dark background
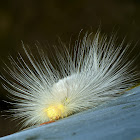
[45, 21]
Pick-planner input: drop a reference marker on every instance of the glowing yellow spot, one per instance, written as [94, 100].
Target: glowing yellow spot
[54, 112]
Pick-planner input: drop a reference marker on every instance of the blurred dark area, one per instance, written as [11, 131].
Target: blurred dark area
[46, 20]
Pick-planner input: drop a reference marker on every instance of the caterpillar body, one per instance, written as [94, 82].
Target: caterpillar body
[93, 73]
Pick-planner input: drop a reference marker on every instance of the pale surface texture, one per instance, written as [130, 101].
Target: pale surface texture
[117, 120]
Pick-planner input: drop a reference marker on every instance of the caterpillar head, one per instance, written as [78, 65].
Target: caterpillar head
[58, 105]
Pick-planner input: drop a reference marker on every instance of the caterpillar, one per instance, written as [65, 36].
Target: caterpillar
[95, 71]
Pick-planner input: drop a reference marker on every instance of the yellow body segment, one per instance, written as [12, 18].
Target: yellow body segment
[55, 112]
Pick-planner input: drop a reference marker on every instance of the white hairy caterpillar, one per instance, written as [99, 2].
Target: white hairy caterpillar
[94, 72]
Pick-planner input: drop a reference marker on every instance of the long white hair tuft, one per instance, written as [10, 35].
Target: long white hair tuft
[94, 72]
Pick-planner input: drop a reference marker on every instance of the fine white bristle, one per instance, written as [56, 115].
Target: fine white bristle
[95, 71]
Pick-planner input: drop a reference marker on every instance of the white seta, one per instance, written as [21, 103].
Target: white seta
[94, 72]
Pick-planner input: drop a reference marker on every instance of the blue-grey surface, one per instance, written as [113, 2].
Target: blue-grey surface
[117, 120]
